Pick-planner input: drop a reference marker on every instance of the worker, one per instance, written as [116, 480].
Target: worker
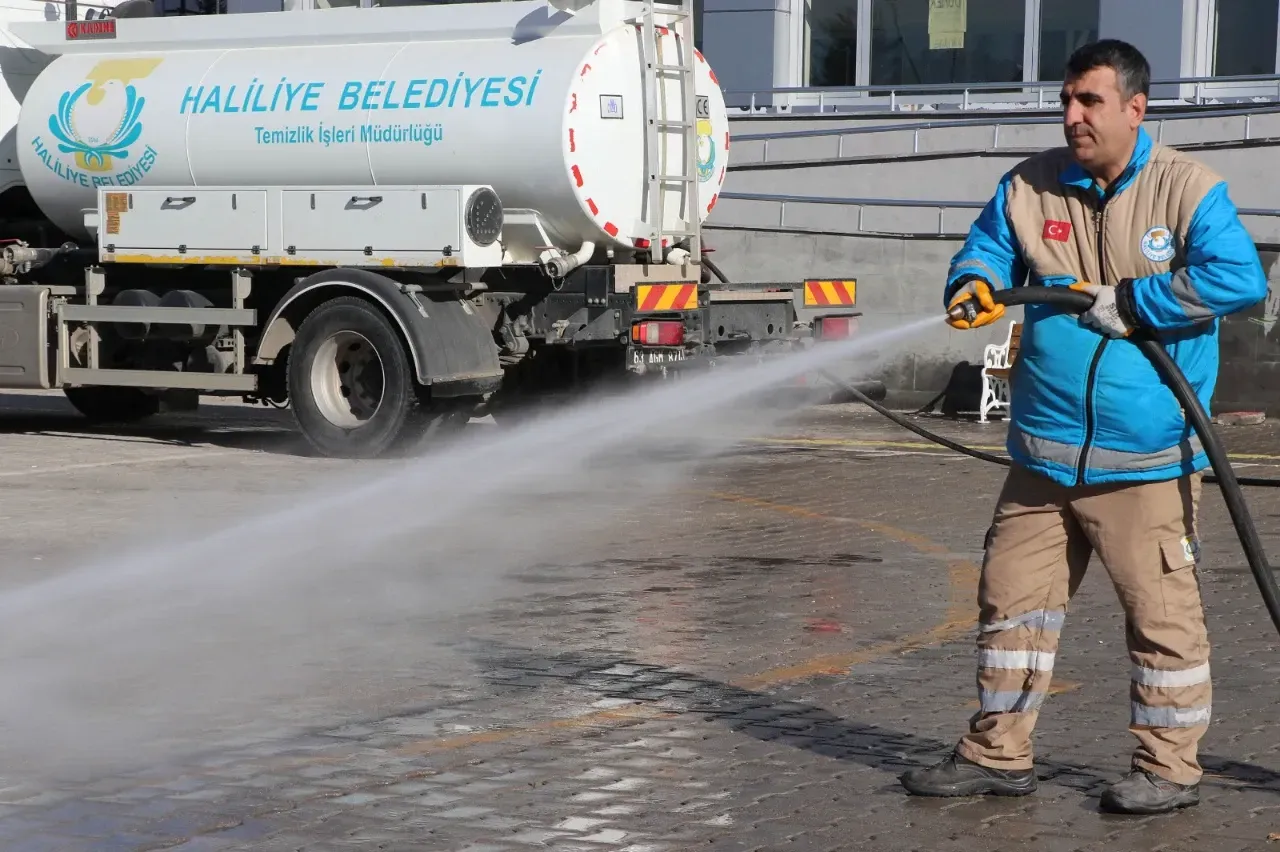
[1103, 459]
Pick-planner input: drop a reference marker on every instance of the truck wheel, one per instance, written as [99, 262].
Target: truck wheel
[113, 405]
[351, 383]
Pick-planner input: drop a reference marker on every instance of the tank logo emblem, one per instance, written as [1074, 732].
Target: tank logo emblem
[99, 123]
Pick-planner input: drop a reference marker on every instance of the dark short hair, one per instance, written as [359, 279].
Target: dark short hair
[1133, 72]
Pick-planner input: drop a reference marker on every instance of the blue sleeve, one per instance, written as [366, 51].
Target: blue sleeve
[990, 251]
[1222, 274]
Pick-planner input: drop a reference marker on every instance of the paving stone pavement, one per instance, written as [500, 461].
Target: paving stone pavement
[747, 666]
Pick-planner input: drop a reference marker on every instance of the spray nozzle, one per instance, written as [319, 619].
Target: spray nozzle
[963, 311]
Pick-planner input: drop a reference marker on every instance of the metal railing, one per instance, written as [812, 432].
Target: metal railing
[941, 207]
[915, 128]
[965, 96]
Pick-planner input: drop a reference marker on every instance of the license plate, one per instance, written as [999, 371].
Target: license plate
[656, 356]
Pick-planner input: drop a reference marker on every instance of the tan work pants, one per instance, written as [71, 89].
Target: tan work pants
[1038, 548]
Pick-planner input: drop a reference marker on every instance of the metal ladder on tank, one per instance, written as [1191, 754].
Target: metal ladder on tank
[658, 124]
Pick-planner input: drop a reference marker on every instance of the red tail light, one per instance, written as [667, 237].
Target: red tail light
[831, 327]
[658, 333]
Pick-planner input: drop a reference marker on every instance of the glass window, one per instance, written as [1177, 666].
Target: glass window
[1246, 37]
[166, 8]
[833, 42]
[946, 41]
[238, 7]
[1065, 26]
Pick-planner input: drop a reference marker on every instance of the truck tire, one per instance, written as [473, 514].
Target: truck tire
[351, 383]
[113, 405]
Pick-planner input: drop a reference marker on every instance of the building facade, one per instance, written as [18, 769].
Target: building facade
[840, 43]
[760, 46]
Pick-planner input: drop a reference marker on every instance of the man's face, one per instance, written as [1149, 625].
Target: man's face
[1099, 123]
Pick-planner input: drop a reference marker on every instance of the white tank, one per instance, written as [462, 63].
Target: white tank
[545, 105]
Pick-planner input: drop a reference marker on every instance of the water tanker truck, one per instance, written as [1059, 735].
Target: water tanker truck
[389, 219]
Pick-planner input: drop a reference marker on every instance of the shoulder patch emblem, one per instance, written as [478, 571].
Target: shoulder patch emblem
[1157, 244]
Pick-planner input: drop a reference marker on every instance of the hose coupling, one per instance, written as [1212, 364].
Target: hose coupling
[963, 311]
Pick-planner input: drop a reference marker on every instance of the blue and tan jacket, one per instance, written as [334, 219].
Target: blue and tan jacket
[1086, 408]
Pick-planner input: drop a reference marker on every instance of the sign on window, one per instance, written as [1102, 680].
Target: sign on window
[947, 24]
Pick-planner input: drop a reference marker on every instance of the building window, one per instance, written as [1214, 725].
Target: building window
[946, 41]
[168, 8]
[833, 42]
[1245, 40]
[1065, 26]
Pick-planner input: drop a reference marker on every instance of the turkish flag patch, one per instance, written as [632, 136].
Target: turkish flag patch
[1055, 230]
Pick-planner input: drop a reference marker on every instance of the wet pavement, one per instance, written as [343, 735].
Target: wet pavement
[746, 664]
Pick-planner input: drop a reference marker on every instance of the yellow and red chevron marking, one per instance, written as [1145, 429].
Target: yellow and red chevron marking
[830, 292]
[666, 297]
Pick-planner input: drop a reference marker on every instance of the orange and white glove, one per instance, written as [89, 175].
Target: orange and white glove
[987, 311]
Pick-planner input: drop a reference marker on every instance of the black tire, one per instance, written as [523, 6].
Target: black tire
[342, 327]
[113, 405]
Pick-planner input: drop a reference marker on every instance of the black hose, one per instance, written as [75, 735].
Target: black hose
[908, 425]
[711, 265]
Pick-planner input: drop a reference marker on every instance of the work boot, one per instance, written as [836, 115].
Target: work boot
[959, 776]
[1140, 792]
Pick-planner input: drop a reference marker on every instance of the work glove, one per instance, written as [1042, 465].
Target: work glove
[1105, 315]
[988, 311]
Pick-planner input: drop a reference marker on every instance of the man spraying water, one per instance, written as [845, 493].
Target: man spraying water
[1103, 458]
